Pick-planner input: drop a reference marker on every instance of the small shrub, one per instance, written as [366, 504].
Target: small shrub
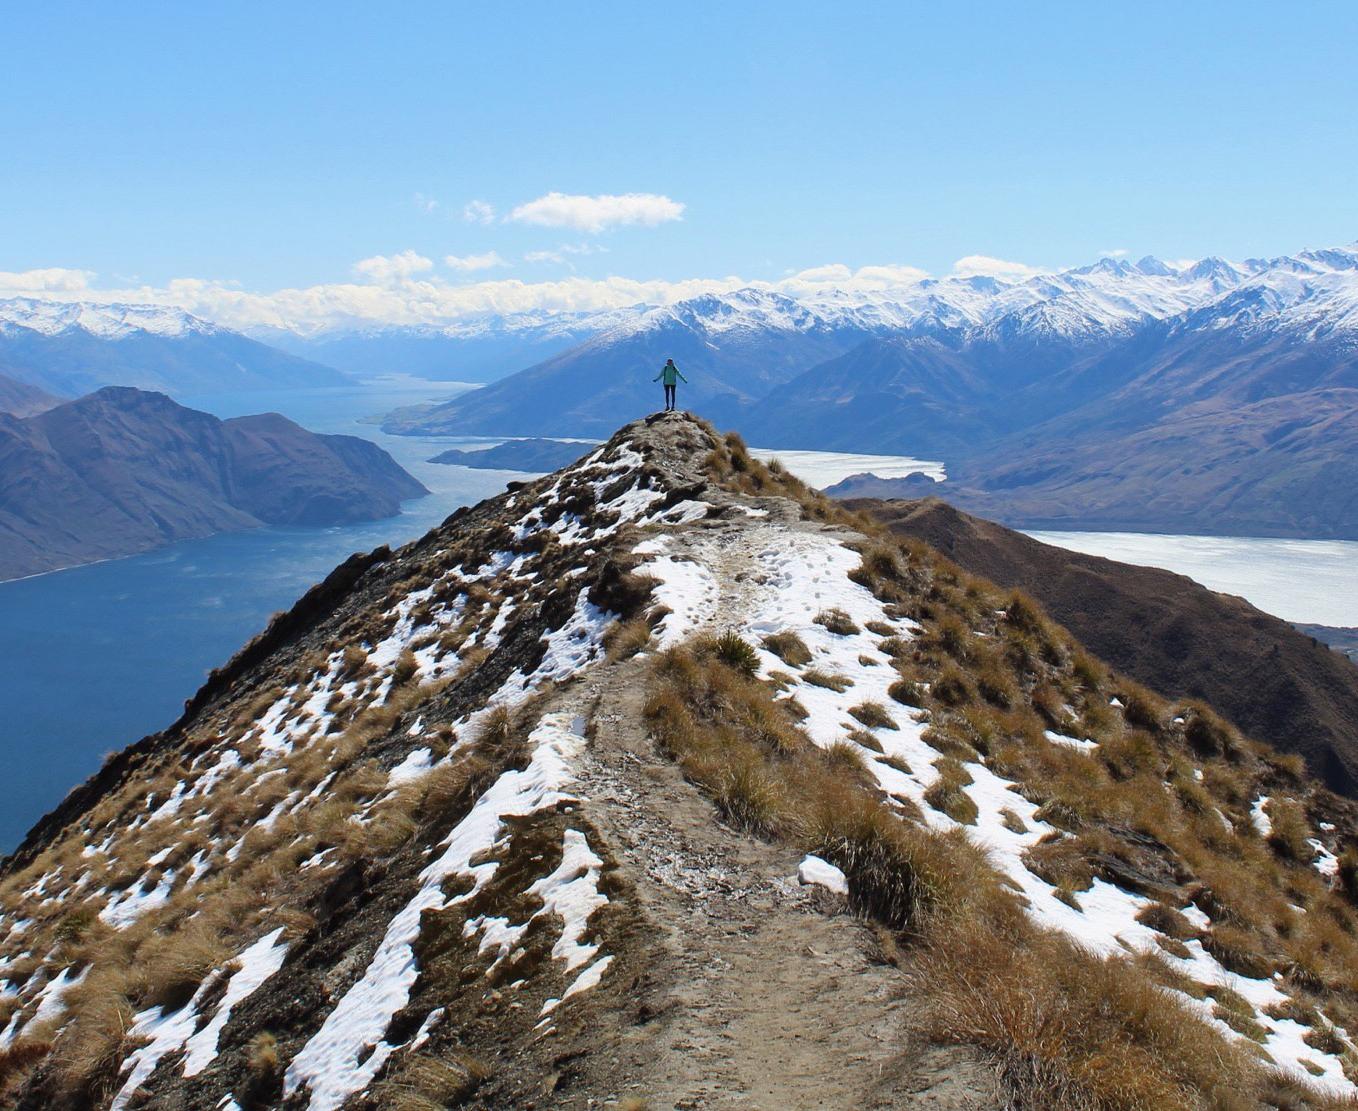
[881, 628]
[838, 683]
[837, 621]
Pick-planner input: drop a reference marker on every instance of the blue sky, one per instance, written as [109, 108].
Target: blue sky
[276, 145]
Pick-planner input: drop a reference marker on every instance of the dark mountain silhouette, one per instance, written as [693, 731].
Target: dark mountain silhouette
[517, 455]
[19, 399]
[122, 470]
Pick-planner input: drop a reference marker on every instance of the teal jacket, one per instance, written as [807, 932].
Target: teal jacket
[670, 373]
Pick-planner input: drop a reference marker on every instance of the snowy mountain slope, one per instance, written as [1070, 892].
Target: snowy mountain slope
[72, 348]
[733, 349]
[756, 354]
[113, 321]
[500, 818]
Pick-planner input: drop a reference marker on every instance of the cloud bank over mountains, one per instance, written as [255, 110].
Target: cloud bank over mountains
[408, 288]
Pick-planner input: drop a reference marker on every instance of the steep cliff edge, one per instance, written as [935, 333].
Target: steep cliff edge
[664, 782]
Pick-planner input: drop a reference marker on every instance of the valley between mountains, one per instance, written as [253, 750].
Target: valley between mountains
[664, 781]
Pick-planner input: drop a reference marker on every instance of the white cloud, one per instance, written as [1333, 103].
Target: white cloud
[838, 276]
[986, 266]
[400, 289]
[478, 212]
[385, 269]
[598, 213]
[425, 204]
[563, 252]
[1116, 252]
[467, 263]
[53, 279]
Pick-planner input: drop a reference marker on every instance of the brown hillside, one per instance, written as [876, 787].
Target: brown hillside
[1168, 632]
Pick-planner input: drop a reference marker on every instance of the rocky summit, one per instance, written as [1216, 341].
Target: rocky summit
[665, 782]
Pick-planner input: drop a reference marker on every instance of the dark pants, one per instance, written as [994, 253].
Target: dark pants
[669, 397]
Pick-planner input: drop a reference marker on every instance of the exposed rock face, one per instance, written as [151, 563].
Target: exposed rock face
[1168, 632]
[499, 820]
[122, 471]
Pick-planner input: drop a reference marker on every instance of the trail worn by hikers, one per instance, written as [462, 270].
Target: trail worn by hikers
[669, 374]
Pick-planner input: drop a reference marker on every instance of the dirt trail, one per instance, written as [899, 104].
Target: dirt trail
[766, 994]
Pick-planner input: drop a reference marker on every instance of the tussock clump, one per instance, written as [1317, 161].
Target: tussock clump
[837, 622]
[873, 715]
[907, 692]
[844, 754]
[896, 647]
[1290, 833]
[951, 688]
[839, 683]
[1071, 1032]
[788, 647]
[624, 639]
[736, 653]
[947, 793]
[425, 1082]
[1238, 950]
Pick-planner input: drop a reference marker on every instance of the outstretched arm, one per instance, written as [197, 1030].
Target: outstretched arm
[681, 374]
[658, 377]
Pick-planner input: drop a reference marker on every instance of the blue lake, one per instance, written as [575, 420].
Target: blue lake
[103, 654]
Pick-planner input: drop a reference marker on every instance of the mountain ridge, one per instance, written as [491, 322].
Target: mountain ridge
[74, 348]
[566, 801]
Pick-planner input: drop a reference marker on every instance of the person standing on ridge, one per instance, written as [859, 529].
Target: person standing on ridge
[670, 374]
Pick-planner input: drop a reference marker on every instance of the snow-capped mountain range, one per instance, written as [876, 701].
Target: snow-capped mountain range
[1242, 372]
[115, 321]
[1110, 296]
[1315, 291]
[70, 348]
